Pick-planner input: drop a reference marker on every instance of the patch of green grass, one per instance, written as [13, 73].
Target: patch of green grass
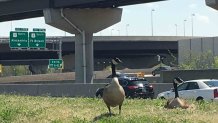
[26, 109]
[7, 114]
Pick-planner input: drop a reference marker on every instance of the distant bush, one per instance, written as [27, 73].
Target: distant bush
[17, 70]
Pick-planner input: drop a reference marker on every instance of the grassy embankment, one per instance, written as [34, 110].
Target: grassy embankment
[27, 109]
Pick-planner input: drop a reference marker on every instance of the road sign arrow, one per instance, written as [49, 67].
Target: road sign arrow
[37, 44]
[18, 44]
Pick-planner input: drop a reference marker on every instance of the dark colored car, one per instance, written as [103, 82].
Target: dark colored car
[133, 87]
[159, 69]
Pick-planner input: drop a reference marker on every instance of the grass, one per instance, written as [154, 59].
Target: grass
[28, 109]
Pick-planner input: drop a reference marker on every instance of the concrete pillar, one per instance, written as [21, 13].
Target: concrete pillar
[69, 63]
[89, 57]
[212, 3]
[81, 55]
[83, 23]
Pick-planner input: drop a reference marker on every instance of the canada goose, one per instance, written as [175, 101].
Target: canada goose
[113, 94]
[176, 102]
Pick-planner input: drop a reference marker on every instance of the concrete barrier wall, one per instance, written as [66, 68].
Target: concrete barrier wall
[167, 76]
[215, 46]
[161, 87]
[196, 46]
[184, 49]
[55, 90]
[208, 45]
[65, 89]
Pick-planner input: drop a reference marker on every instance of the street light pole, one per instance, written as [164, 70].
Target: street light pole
[127, 25]
[152, 31]
[11, 26]
[184, 27]
[192, 24]
[176, 29]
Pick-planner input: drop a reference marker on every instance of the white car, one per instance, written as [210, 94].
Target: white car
[201, 89]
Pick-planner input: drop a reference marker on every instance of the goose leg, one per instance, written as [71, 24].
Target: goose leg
[120, 109]
[109, 110]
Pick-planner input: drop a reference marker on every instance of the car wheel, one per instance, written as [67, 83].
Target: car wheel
[153, 73]
[99, 96]
[200, 99]
[149, 97]
[132, 96]
[152, 97]
[162, 98]
[99, 92]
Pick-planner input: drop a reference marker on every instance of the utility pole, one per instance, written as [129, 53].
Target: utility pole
[176, 29]
[184, 26]
[127, 25]
[152, 30]
[192, 24]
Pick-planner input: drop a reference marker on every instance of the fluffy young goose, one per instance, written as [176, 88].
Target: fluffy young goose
[113, 94]
[176, 102]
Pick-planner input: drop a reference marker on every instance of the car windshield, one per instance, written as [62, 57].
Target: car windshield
[212, 83]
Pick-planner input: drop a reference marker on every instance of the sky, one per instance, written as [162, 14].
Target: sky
[168, 18]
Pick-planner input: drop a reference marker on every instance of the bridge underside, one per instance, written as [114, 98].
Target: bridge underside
[24, 58]
[12, 10]
[212, 3]
[103, 49]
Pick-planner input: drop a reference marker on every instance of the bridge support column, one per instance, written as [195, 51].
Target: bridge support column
[212, 3]
[84, 57]
[83, 23]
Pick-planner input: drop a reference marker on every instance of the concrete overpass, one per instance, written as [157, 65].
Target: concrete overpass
[135, 51]
[212, 3]
[21, 9]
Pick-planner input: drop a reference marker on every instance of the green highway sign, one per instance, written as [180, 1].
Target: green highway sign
[39, 29]
[56, 63]
[21, 29]
[37, 40]
[18, 39]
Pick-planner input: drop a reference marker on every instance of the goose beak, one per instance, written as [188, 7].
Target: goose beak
[116, 60]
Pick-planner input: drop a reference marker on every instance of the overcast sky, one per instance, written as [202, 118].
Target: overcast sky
[166, 15]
